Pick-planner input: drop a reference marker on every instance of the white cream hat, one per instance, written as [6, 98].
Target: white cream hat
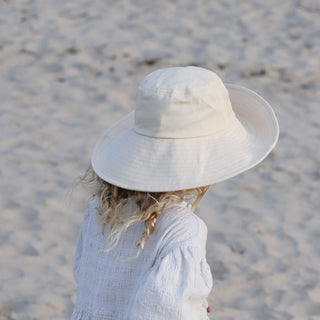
[188, 130]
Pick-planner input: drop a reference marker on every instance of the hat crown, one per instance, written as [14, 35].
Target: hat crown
[182, 102]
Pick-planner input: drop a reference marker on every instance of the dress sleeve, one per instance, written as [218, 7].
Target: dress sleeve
[79, 244]
[77, 256]
[176, 287]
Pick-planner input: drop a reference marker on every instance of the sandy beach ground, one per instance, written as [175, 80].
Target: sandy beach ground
[68, 69]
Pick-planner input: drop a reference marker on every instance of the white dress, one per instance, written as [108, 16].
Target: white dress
[169, 281]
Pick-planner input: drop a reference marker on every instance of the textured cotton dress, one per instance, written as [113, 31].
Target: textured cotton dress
[169, 281]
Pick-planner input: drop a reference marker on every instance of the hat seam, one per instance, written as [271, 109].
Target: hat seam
[154, 90]
[232, 121]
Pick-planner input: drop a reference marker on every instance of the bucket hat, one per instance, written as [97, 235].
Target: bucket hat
[188, 129]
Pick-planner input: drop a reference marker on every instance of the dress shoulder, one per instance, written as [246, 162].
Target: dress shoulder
[179, 226]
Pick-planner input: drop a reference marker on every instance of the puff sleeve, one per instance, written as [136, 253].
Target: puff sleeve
[175, 287]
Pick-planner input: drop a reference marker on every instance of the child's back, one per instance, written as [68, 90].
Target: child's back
[110, 286]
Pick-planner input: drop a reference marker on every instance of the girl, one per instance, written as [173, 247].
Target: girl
[141, 251]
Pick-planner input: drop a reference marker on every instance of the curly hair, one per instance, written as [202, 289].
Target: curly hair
[149, 206]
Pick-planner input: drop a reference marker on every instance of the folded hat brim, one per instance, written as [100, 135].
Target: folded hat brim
[137, 162]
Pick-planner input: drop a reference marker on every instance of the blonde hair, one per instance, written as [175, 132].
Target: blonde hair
[150, 204]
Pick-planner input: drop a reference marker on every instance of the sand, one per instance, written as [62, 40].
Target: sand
[68, 69]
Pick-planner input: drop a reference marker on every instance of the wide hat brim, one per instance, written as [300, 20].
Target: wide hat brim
[133, 161]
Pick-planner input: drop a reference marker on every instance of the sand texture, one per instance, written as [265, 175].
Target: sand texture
[68, 69]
